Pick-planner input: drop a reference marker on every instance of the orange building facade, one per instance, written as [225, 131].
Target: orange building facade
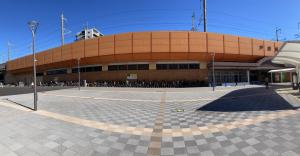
[163, 55]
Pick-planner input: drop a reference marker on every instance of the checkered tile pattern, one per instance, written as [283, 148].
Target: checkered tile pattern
[256, 132]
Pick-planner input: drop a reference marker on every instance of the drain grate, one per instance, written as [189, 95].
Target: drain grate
[178, 110]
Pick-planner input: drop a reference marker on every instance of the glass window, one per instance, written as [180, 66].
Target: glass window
[194, 66]
[143, 67]
[161, 66]
[112, 67]
[89, 69]
[183, 66]
[132, 67]
[74, 70]
[82, 69]
[39, 74]
[122, 67]
[57, 72]
[173, 66]
[98, 68]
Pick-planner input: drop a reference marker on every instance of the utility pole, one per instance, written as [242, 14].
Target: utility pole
[62, 26]
[193, 22]
[8, 50]
[278, 30]
[204, 14]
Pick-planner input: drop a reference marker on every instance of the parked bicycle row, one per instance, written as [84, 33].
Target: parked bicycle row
[128, 83]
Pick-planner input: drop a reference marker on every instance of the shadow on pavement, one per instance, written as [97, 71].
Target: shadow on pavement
[24, 90]
[249, 99]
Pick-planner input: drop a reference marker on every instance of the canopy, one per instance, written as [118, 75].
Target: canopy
[283, 70]
[289, 53]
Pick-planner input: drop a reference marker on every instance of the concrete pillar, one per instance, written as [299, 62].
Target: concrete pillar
[69, 70]
[248, 76]
[105, 67]
[152, 66]
[271, 77]
[297, 73]
[280, 77]
[203, 65]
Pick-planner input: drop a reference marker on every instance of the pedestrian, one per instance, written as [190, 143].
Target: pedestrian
[236, 80]
[267, 82]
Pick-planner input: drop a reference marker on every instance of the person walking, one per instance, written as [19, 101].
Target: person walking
[267, 82]
[236, 80]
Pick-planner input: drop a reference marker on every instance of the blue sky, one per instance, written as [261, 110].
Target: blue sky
[251, 18]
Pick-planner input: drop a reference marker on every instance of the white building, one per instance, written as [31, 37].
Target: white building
[88, 34]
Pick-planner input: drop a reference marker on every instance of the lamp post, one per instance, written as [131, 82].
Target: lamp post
[78, 67]
[33, 27]
[213, 70]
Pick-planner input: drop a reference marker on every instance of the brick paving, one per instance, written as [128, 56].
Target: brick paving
[233, 121]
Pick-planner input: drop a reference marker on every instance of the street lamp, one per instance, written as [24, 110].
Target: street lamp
[78, 67]
[213, 70]
[33, 27]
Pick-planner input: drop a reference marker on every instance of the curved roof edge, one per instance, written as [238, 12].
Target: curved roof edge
[289, 53]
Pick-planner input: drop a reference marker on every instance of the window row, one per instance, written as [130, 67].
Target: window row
[87, 69]
[125, 67]
[57, 72]
[177, 66]
[128, 67]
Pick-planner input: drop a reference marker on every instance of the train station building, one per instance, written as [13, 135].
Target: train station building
[152, 56]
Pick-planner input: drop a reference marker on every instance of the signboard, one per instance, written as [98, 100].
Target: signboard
[131, 76]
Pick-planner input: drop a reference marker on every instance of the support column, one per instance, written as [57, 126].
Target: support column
[152, 66]
[203, 65]
[280, 77]
[297, 75]
[69, 70]
[248, 76]
[104, 67]
[271, 77]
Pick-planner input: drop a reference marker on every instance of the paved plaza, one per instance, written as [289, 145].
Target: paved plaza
[236, 121]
